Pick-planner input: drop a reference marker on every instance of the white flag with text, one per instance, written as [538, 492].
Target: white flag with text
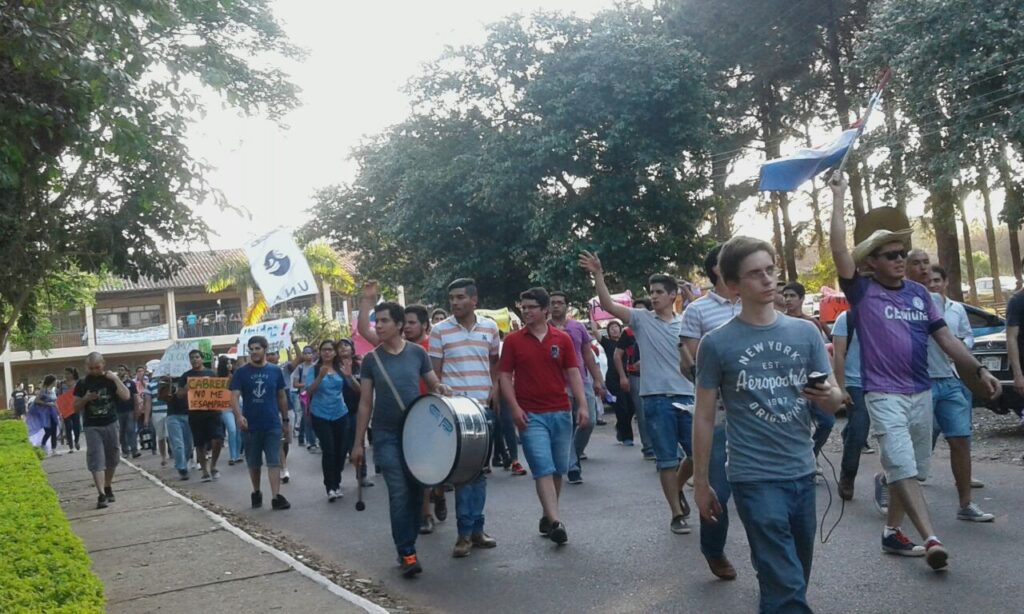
[279, 267]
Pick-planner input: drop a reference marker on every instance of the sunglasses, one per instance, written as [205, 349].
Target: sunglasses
[894, 255]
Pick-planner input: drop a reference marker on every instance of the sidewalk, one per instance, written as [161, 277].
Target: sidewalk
[156, 552]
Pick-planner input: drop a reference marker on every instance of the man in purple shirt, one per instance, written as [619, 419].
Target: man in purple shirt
[593, 385]
[895, 317]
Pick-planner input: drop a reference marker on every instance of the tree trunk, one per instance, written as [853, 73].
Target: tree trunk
[833, 52]
[776, 231]
[787, 228]
[944, 205]
[1015, 256]
[990, 233]
[723, 209]
[896, 170]
[1011, 211]
[815, 192]
[969, 259]
[867, 186]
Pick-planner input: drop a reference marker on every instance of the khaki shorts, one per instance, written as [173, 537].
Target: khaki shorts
[902, 424]
[102, 447]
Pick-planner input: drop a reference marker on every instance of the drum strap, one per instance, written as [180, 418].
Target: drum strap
[387, 378]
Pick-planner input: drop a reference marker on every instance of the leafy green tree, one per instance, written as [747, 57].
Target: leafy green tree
[959, 82]
[95, 100]
[554, 135]
[64, 289]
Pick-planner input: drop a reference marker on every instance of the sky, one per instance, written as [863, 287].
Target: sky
[359, 56]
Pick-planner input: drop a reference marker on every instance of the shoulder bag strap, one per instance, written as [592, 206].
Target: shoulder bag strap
[387, 378]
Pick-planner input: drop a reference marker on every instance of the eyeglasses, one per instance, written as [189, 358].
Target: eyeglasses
[900, 254]
[767, 272]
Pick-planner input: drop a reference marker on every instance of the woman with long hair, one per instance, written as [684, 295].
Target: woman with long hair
[42, 414]
[72, 422]
[228, 417]
[324, 384]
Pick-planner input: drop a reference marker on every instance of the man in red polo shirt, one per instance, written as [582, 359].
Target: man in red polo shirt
[536, 362]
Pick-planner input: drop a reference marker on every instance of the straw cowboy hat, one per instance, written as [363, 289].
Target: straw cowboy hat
[879, 238]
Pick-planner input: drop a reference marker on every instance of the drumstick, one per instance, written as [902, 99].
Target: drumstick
[360, 506]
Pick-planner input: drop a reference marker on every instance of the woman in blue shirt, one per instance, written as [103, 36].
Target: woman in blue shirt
[325, 383]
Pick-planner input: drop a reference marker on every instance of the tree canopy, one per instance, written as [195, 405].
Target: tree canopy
[95, 100]
[553, 135]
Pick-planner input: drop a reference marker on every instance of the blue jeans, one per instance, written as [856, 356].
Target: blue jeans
[855, 433]
[508, 443]
[547, 443]
[234, 436]
[779, 518]
[405, 495]
[469, 506]
[714, 534]
[823, 422]
[669, 427]
[646, 447]
[581, 437]
[180, 436]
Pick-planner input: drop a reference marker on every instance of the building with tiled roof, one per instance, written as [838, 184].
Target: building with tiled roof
[133, 322]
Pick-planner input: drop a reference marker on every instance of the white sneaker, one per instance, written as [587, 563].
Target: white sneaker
[285, 476]
[332, 496]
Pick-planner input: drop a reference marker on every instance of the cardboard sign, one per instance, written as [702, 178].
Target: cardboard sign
[174, 362]
[208, 394]
[66, 404]
[277, 332]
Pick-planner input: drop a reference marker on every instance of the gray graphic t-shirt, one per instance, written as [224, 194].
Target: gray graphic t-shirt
[759, 372]
[405, 369]
[659, 351]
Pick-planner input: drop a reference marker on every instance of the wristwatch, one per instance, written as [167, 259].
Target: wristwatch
[977, 372]
[286, 420]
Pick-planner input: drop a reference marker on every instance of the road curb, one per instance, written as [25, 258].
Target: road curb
[303, 569]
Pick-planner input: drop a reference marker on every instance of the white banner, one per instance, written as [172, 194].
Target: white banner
[106, 336]
[277, 332]
[175, 361]
[279, 267]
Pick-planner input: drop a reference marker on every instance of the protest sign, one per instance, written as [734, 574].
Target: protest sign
[277, 332]
[66, 404]
[174, 362]
[208, 394]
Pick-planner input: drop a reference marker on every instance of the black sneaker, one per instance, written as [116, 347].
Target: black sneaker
[545, 526]
[440, 508]
[558, 534]
[101, 502]
[109, 493]
[575, 477]
[136, 454]
[183, 475]
[257, 499]
[280, 503]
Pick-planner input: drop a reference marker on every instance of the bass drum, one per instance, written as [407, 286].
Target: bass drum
[445, 440]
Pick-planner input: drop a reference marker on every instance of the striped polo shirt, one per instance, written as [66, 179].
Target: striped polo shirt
[706, 314]
[152, 390]
[465, 355]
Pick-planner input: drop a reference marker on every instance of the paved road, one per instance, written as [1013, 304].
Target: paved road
[621, 556]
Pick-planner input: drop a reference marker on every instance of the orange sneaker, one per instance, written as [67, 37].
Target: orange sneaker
[410, 565]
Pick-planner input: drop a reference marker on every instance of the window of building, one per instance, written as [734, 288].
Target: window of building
[136, 316]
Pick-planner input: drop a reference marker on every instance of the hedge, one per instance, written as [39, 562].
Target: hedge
[43, 565]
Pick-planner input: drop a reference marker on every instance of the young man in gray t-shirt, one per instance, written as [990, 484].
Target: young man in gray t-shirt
[405, 363]
[759, 363]
[666, 395]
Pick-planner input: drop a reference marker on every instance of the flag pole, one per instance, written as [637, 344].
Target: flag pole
[886, 76]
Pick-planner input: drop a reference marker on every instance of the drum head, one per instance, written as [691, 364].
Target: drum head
[430, 440]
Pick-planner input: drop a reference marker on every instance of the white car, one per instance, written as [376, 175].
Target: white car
[985, 285]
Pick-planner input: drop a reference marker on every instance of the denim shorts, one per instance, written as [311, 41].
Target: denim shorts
[547, 442]
[668, 427]
[952, 407]
[902, 423]
[260, 443]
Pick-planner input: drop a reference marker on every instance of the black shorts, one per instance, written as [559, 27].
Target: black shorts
[206, 426]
